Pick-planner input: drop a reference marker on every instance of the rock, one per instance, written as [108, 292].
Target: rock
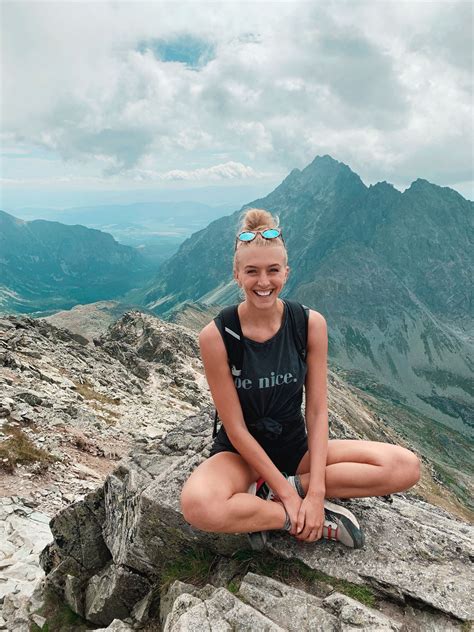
[142, 528]
[33, 398]
[115, 626]
[39, 620]
[221, 611]
[77, 532]
[113, 593]
[293, 609]
[353, 615]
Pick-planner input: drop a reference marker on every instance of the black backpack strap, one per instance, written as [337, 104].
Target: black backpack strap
[228, 324]
[299, 316]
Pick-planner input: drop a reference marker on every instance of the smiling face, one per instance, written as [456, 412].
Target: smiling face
[261, 272]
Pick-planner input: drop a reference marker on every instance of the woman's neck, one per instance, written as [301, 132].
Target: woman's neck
[270, 318]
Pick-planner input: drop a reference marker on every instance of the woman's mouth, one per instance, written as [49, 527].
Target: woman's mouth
[263, 294]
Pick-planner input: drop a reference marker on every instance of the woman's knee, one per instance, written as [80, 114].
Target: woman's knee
[200, 510]
[405, 468]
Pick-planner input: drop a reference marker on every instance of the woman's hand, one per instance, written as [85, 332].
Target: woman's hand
[310, 519]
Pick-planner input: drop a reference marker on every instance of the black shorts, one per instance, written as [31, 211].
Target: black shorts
[286, 455]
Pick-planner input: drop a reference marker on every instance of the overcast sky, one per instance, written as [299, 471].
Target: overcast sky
[158, 97]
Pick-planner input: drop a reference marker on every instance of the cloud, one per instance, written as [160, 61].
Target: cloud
[225, 171]
[141, 88]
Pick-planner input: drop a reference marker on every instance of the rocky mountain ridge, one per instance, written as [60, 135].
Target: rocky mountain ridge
[49, 266]
[71, 408]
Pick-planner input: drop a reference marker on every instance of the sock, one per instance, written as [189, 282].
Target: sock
[287, 525]
[294, 481]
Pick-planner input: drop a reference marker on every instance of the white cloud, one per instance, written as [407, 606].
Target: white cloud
[225, 171]
[384, 87]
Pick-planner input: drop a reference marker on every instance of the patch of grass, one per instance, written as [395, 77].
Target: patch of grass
[194, 566]
[19, 448]
[294, 572]
[466, 626]
[233, 587]
[59, 616]
[89, 393]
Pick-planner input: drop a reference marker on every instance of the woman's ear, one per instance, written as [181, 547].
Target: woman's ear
[236, 277]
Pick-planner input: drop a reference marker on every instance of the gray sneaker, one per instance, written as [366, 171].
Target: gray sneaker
[341, 525]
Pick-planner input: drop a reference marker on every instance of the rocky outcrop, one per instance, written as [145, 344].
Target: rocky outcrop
[415, 561]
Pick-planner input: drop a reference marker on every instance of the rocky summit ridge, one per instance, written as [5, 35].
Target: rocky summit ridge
[118, 422]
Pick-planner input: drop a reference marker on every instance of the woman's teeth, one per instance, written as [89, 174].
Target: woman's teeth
[263, 293]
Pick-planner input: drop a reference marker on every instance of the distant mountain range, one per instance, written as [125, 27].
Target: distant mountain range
[390, 271]
[157, 228]
[50, 266]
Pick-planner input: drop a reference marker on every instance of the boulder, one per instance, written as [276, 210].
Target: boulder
[416, 557]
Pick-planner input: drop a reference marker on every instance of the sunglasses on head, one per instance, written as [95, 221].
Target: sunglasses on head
[268, 233]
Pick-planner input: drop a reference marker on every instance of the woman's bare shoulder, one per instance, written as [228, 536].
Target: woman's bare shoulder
[316, 318]
[210, 338]
[209, 332]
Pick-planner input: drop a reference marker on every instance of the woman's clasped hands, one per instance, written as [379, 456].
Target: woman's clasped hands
[306, 515]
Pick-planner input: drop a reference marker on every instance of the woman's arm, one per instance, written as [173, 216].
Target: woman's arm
[316, 402]
[226, 400]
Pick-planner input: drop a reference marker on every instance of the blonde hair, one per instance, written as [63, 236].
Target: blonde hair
[254, 219]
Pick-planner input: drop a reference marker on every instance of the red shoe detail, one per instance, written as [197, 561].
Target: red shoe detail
[260, 482]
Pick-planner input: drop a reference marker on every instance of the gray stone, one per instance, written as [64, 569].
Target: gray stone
[220, 611]
[77, 531]
[167, 600]
[38, 619]
[113, 593]
[295, 610]
[31, 397]
[355, 616]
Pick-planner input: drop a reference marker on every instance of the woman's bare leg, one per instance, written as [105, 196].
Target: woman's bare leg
[356, 468]
[215, 498]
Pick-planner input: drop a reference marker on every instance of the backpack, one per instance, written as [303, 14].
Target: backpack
[298, 315]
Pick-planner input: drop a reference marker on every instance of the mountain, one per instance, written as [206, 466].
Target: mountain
[157, 228]
[49, 266]
[390, 271]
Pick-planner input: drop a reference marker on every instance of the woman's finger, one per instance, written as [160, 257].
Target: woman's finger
[301, 520]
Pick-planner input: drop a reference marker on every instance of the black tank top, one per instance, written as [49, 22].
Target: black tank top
[270, 385]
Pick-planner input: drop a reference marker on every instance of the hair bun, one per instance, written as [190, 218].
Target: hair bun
[258, 219]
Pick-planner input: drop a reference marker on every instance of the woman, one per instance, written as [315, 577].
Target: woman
[225, 493]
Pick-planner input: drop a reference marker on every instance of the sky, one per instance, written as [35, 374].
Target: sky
[132, 101]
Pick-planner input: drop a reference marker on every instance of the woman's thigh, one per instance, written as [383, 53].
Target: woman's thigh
[213, 482]
[359, 451]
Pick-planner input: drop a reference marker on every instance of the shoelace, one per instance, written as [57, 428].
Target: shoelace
[331, 531]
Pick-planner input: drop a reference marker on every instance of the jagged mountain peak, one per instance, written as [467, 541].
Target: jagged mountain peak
[420, 186]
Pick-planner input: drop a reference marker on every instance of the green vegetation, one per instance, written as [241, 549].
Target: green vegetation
[19, 448]
[196, 566]
[59, 617]
[445, 378]
[295, 573]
